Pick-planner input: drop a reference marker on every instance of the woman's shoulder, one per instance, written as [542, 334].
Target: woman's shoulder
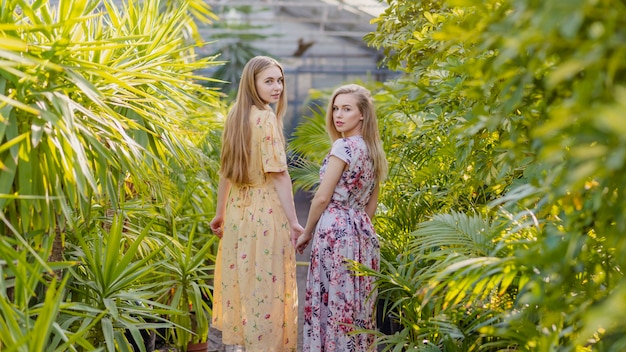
[342, 148]
[264, 114]
[349, 142]
[261, 117]
[347, 148]
[265, 111]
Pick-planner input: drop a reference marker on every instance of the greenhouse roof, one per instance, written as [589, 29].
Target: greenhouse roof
[346, 18]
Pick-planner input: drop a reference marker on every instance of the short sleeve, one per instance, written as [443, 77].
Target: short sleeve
[272, 147]
[341, 150]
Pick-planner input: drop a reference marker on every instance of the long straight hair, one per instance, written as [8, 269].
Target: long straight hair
[236, 146]
[369, 129]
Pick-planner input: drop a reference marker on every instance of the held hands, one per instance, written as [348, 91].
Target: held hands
[296, 231]
[303, 242]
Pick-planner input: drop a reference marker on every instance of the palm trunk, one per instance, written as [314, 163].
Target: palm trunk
[58, 248]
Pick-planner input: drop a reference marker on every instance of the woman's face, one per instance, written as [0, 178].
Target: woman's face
[269, 84]
[346, 115]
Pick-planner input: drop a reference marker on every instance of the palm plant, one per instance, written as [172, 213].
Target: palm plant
[187, 288]
[185, 282]
[525, 121]
[35, 326]
[109, 286]
[489, 120]
[308, 146]
[454, 281]
[97, 104]
[234, 42]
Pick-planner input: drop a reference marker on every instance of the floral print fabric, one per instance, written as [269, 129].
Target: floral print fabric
[337, 301]
[255, 296]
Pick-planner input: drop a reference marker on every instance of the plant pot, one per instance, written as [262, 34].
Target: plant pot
[198, 347]
[387, 323]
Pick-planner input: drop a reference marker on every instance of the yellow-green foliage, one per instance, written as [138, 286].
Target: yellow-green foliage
[513, 111]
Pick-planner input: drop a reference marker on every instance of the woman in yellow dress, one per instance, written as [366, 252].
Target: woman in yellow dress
[255, 303]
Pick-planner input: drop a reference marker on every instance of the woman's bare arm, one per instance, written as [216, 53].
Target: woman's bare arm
[320, 201]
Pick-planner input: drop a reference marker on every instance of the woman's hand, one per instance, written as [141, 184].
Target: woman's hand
[296, 231]
[217, 226]
[303, 242]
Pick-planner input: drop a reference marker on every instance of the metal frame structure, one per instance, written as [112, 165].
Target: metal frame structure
[336, 26]
[344, 18]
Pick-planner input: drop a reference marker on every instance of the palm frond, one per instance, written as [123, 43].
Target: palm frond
[305, 174]
[471, 235]
[310, 139]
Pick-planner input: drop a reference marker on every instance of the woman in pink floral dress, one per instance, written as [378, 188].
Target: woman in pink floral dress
[339, 223]
[255, 302]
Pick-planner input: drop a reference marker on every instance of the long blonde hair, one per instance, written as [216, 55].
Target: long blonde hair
[237, 131]
[369, 129]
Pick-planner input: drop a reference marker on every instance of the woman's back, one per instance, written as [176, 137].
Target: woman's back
[357, 182]
[267, 150]
[255, 303]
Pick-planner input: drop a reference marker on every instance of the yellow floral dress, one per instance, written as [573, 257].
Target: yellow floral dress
[255, 296]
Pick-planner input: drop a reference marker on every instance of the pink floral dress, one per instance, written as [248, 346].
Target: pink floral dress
[337, 301]
[255, 299]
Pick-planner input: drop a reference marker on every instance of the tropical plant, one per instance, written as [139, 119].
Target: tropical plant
[187, 287]
[506, 108]
[308, 146]
[185, 282]
[100, 105]
[28, 326]
[453, 282]
[109, 286]
[507, 115]
[234, 41]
